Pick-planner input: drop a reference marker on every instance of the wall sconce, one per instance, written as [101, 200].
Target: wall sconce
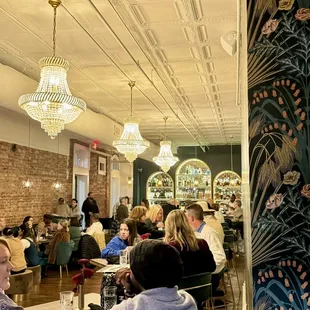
[129, 181]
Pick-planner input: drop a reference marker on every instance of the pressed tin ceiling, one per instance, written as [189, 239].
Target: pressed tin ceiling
[172, 49]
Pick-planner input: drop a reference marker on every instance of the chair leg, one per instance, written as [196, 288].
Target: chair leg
[231, 288]
[67, 270]
[60, 272]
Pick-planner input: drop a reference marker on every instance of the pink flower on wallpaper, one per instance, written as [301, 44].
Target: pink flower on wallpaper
[303, 14]
[270, 26]
[306, 191]
[274, 201]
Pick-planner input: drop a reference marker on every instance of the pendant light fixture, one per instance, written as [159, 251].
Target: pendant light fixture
[27, 183]
[57, 185]
[131, 143]
[165, 159]
[53, 104]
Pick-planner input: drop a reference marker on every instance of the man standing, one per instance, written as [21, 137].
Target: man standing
[89, 205]
[194, 214]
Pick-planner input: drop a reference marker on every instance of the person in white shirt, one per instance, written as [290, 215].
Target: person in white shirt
[211, 220]
[96, 226]
[194, 213]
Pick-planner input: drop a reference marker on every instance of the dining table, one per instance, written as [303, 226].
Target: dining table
[55, 305]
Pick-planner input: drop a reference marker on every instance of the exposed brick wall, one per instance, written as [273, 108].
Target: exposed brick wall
[41, 166]
[100, 184]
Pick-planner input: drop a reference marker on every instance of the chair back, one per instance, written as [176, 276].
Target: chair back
[229, 236]
[63, 252]
[106, 222]
[100, 239]
[198, 286]
[225, 225]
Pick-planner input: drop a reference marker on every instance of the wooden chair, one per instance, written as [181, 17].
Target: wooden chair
[200, 287]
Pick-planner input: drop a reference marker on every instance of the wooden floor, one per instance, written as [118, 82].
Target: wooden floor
[52, 285]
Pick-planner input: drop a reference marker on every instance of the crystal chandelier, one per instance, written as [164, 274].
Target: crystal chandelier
[53, 104]
[165, 159]
[131, 143]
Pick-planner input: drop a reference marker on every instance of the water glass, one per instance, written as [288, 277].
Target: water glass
[109, 297]
[123, 257]
[66, 300]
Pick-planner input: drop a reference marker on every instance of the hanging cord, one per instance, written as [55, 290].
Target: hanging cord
[58, 161]
[54, 32]
[29, 125]
[55, 4]
[165, 119]
[131, 85]
[231, 158]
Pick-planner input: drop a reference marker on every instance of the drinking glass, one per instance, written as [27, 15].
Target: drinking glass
[109, 297]
[123, 257]
[66, 300]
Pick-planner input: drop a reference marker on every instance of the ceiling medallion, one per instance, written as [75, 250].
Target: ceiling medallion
[52, 104]
[131, 143]
[165, 159]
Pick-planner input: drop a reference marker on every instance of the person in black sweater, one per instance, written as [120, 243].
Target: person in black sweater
[170, 206]
[89, 205]
[138, 214]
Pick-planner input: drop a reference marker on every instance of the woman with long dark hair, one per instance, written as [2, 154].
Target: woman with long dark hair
[125, 238]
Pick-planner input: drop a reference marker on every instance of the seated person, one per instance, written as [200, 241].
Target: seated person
[17, 251]
[30, 250]
[155, 271]
[217, 213]
[237, 220]
[145, 203]
[126, 237]
[49, 225]
[154, 218]
[195, 253]
[121, 213]
[62, 209]
[62, 235]
[28, 220]
[74, 210]
[138, 214]
[5, 269]
[211, 220]
[170, 206]
[194, 214]
[96, 226]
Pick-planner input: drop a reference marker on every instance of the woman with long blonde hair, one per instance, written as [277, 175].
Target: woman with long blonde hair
[154, 217]
[62, 235]
[195, 253]
[138, 214]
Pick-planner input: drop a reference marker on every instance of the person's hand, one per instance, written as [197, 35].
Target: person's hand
[160, 225]
[94, 307]
[128, 249]
[122, 277]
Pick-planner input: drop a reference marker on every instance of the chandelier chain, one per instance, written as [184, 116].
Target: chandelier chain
[54, 31]
[165, 119]
[131, 85]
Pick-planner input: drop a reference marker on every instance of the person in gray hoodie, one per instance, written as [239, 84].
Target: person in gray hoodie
[155, 271]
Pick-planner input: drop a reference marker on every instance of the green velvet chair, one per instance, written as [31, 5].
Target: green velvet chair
[63, 254]
[200, 287]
